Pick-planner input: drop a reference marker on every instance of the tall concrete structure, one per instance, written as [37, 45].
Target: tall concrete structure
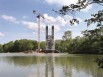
[50, 44]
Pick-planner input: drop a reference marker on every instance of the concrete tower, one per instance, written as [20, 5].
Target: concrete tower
[50, 45]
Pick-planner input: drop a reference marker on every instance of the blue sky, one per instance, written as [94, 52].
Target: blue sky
[17, 20]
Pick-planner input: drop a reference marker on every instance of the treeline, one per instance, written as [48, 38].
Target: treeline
[22, 45]
[90, 43]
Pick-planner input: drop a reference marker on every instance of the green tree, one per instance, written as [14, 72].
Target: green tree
[8, 47]
[67, 35]
[1, 48]
[42, 45]
[92, 40]
[20, 46]
[57, 44]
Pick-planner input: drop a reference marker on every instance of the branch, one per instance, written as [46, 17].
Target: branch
[72, 8]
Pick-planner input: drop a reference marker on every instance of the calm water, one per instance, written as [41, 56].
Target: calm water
[49, 65]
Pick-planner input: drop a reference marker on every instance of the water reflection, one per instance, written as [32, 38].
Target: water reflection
[79, 66]
[49, 65]
[38, 64]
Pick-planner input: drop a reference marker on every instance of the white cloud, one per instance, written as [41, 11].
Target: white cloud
[58, 35]
[25, 17]
[54, 21]
[10, 18]
[61, 2]
[87, 8]
[58, 22]
[30, 25]
[75, 34]
[34, 33]
[49, 20]
[80, 20]
[1, 34]
[67, 2]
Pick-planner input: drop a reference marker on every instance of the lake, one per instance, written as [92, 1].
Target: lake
[49, 65]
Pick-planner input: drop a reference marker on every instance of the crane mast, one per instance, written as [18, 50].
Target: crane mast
[38, 33]
[38, 16]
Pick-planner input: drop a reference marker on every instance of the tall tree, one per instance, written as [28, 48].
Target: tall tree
[67, 35]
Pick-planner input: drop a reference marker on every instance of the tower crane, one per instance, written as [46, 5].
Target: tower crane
[39, 16]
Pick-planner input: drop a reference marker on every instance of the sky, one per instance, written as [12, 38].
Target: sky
[17, 20]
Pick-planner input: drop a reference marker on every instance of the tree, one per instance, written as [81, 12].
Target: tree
[92, 38]
[1, 48]
[8, 47]
[58, 45]
[73, 8]
[20, 46]
[43, 44]
[67, 35]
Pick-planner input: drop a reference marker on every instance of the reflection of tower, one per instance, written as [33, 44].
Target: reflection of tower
[38, 65]
[46, 67]
[49, 67]
[50, 46]
[52, 66]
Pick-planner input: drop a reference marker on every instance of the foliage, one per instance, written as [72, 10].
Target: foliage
[96, 18]
[20, 46]
[62, 45]
[90, 43]
[42, 45]
[73, 8]
[1, 48]
[8, 47]
[67, 35]
[99, 62]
